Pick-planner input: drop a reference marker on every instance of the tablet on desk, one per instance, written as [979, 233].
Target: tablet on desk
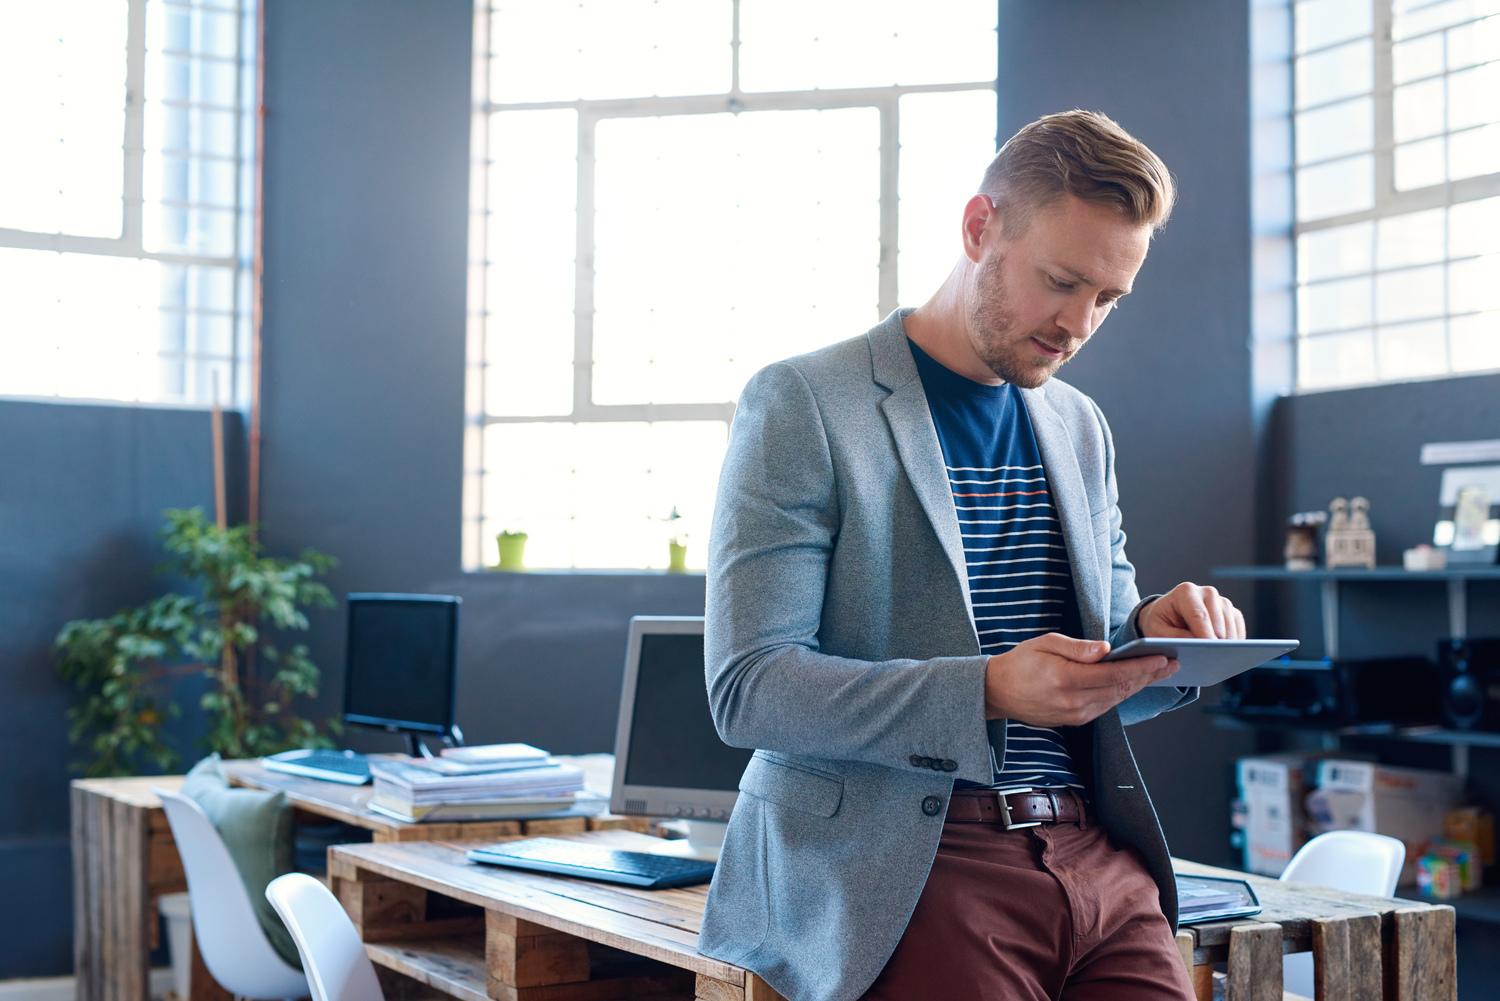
[1204, 662]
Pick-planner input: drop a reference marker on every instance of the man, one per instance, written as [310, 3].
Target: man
[915, 566]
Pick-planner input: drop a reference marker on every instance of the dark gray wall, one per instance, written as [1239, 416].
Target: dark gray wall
[82, 489]
[1171, 368]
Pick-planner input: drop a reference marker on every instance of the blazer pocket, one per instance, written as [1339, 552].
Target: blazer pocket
[793, 786]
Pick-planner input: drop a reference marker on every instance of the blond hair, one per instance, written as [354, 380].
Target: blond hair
[1084, 154]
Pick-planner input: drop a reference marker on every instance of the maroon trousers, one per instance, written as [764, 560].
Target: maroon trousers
[1050, 912]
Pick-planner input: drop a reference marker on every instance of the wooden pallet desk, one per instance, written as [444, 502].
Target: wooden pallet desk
[483, 933]
[124, 858]
[1364, 948]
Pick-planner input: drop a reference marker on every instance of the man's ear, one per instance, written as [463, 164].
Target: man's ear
[979, 214]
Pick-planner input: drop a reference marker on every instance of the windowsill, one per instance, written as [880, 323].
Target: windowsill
[582, 572]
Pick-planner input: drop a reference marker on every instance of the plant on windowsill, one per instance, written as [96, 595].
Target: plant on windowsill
[125, 665]
[512, 549]
[677, 543]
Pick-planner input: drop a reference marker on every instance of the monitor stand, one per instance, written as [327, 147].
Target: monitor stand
[416, 747]
[705, 838]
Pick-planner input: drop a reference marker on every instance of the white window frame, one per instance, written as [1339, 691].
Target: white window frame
[130, 243]
[590, 113]
[1388, 201]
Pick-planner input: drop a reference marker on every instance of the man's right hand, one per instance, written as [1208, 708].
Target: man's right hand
[1054, 680]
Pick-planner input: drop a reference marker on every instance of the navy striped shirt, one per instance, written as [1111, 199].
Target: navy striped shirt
[1020, 582]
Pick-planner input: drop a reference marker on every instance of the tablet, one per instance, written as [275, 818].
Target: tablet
[1204, 662]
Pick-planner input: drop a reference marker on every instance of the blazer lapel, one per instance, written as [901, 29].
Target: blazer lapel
[1069, 496]
[916, 441]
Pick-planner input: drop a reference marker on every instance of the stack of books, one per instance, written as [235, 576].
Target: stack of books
[493, 782]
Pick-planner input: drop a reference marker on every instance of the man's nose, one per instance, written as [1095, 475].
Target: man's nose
[1077, 317]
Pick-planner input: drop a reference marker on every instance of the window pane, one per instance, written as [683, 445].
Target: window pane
[543, 50]
[1332, 189]
[1324, 22]
[1412, 351]
[1474, 43]
[62, 113]
[1414, 238]
[1331, 253]
[1408, 295]
[806, 44]
[532, 229]
[1419, 110]
[1421, 164]
[1341, 72]
[1474, 152]
[796, 199]
[1417, 58]
[601, 495]
[1333, 305]
[1475, 342]
[947, 141]
[1416, 17]
[1474, 228]
[1335, 360]
[1474, 96]
[1474, 284]
[1335, 130]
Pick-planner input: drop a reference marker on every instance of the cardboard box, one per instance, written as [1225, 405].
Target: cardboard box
[1404, 803]
[1272, 790]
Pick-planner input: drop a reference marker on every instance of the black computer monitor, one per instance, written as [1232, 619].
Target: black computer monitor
[402, 663]
[669, 760]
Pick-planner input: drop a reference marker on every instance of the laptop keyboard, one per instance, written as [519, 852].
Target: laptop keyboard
[575, 858]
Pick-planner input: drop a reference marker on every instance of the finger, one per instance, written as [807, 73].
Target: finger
[1117, 673]
[1218, 615]
[1239, 630]
[1081, 651]
[1195, 617]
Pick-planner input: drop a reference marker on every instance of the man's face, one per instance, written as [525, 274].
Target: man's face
[1033, 299]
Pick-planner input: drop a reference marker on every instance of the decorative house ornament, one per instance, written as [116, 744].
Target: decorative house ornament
[1349, 541]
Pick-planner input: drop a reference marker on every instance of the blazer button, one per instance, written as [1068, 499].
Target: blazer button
[949, 765]
[917, 761]
[936, 764]
[931, 805]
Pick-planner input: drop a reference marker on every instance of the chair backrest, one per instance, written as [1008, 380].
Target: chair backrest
[338, 969]
[1352, 861]
[228, 935]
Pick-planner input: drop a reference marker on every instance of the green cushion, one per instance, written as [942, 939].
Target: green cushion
[257, 829]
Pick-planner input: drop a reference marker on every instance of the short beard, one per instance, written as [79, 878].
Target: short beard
[992, 330]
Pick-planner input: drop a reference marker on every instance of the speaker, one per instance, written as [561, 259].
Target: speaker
[1470, 672]
[1324, 693]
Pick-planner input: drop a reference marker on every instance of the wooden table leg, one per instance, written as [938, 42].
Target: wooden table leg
[1346, 958]
[110, 898]
[755, 989]
[1423, 962]
[1201, 977]
[1254, 963]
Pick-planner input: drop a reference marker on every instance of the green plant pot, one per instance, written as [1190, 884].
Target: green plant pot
[677, 558]
[512, 550]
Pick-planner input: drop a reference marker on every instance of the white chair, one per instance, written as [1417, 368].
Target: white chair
[235, 950]
[1352, 861]
[338, 969]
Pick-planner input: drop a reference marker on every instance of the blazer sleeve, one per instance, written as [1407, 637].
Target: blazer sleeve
[775, 525]
[1126, 603]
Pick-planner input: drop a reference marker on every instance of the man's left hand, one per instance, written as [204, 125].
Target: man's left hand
[1192, 611]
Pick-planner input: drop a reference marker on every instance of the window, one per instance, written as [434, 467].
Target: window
[670, 194]
[125, 193]
[1397, 168]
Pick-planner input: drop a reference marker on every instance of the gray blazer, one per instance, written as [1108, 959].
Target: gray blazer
[840, 643]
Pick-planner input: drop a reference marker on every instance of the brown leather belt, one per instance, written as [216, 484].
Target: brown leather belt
[1021, 807]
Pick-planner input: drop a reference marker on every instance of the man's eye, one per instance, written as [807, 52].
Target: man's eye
[1065, 286]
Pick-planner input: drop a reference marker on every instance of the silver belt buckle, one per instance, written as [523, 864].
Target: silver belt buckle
[1000, 795]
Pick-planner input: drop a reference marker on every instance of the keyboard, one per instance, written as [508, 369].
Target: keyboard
[330, 766]
[610, 865]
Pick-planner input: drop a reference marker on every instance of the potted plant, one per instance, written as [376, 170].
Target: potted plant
[124, 665]
[677, 543]
[512, 546]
